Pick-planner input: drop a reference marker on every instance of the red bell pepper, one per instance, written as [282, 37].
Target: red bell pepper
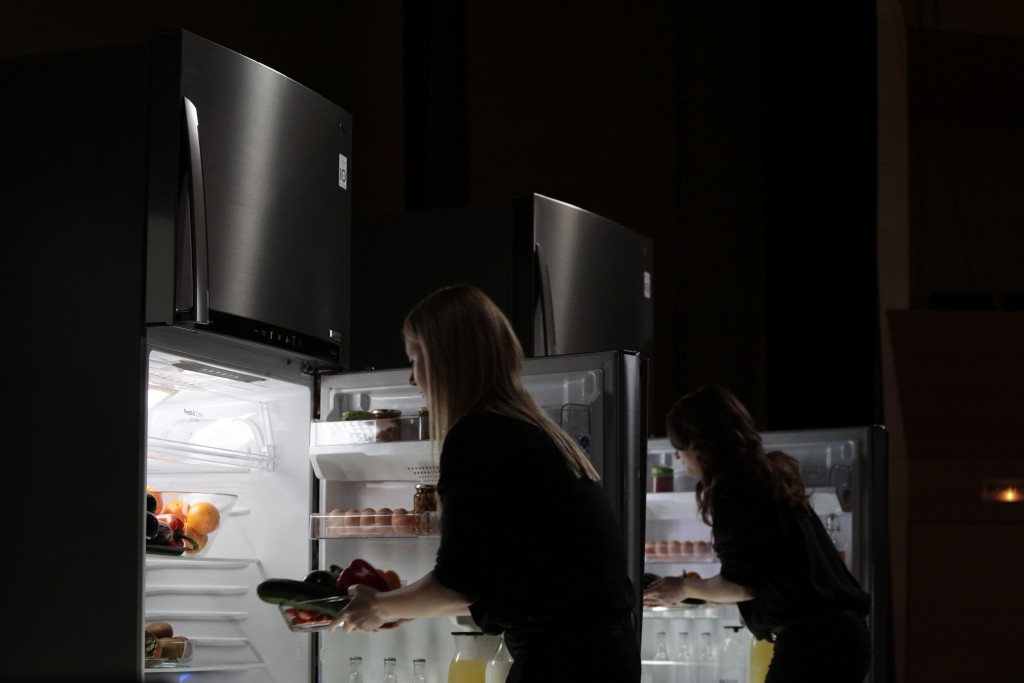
[360, 572]
[177, 527]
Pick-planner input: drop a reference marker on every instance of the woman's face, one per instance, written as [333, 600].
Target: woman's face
[418, 376]
[688, 456]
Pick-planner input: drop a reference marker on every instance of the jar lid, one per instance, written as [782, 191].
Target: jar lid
[425, 487]
[386, 412]
[660, 471]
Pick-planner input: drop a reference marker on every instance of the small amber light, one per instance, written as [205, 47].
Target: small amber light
[1002, 491]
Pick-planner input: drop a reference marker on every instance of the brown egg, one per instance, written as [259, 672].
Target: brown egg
[402, 521]
[334, 525]
[686, 548]
[702, 549]
[661, 549]
[369, 517]
[352, 521]
[383, 518]
[650, 548]
[675, 549]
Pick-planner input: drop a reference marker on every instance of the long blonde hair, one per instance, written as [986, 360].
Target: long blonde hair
[472, 360]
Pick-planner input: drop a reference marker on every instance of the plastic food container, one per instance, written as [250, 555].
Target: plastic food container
[312, 615]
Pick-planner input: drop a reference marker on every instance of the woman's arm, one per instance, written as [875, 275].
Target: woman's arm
[670, 590]
[371, 610]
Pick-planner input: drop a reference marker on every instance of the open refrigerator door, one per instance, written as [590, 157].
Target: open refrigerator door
[844, 470]
[226, 427]
[369, 469]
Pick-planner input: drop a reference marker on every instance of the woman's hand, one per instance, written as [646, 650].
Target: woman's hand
[665, 591]
[670, 590]
[371, 610]
[364, 612]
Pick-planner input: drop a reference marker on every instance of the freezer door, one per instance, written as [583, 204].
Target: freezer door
[249, 201]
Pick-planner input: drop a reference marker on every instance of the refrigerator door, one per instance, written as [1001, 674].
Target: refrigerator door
[594, 278]
[569, 280]
[597, 397]
[249, 201]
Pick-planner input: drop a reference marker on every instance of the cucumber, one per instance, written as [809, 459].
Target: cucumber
[301, 594]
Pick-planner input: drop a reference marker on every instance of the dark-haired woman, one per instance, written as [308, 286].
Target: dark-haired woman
[778, 564]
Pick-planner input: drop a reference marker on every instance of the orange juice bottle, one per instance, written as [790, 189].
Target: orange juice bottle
[760, 657]
[467, 671]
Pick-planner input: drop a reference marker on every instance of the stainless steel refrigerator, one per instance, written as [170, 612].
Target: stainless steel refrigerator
[569, 280]
[846, 472]
[177, 218]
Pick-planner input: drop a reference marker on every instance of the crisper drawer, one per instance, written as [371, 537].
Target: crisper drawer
[209, 601]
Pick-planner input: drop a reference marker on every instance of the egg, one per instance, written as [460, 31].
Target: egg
[383, 518]
[675, 548]
[650, 548]
[686, 548]
[369, 517]
[662, 548]
[402, 522]
[334, 524]
[702, 549]
[352, 521]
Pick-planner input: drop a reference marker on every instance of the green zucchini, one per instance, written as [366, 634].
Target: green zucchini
[301, 594]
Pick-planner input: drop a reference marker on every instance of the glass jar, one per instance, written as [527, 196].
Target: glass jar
[469, 663]
[661, 479]
[388, 424]
[424, 510]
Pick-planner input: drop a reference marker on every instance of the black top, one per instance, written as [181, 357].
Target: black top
[785, 555]
[529, 543]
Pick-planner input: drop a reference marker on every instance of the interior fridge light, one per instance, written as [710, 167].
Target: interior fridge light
[158, 395]
[1002, 490]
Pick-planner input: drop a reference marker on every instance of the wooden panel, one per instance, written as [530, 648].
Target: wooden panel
[959, 376]
[964, 602]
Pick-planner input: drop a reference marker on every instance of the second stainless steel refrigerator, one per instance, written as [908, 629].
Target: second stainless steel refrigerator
[569, 280]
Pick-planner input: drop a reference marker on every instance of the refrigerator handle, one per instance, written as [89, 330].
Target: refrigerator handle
[546, 305]
[197, 217]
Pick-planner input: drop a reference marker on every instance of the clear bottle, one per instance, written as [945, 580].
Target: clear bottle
[734, 656]
[419, 670]
[355, 668]
[390, 676]
[705, 661]
[661, 672]
[499, 664]
[684, 671]
[661, 646]
[832, 527]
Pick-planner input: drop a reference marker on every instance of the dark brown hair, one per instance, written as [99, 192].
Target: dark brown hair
[716, 425]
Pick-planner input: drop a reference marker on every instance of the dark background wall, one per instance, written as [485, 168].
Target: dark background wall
[745, 145]
[742, 144]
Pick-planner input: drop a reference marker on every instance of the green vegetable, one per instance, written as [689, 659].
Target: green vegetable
[301, 594]
[357, 415]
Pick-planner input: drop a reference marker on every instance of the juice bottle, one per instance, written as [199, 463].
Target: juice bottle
[467, 671]
[469, 662]
[760, 657]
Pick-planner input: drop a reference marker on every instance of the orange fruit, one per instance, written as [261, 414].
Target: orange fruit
[204, 517]
[176, 507]
[200, 538]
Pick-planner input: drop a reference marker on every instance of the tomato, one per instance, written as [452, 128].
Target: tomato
[392, 578]
[203, 517]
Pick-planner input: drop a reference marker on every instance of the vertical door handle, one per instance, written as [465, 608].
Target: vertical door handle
[546, 305]
[197, 216]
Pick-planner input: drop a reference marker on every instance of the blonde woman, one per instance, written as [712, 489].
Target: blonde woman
[529, 544]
